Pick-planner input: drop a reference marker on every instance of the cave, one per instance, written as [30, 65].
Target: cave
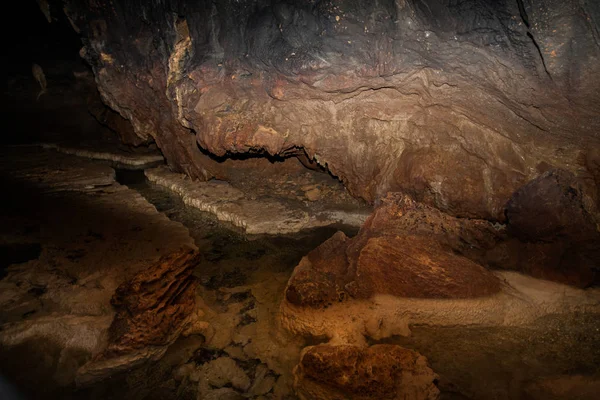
[300, 199]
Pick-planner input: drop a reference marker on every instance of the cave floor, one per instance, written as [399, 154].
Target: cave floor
[70, 233]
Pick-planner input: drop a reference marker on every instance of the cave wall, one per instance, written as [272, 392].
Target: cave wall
[458, 103]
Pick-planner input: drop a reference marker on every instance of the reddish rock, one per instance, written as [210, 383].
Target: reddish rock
[153, 308]
[416, 266]
[322, 282]
[404, 249]
[378, 372]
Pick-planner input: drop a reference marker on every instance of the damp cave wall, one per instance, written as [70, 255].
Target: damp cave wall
[458, 103]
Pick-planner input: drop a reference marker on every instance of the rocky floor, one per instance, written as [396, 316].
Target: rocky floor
[70, 234]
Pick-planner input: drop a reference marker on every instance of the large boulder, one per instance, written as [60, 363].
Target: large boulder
[554, 231]
[405, 249]
[377, 372]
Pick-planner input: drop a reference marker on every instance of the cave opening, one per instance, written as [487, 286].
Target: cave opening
[300, 199]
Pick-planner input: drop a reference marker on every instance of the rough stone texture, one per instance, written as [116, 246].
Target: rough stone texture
[457, 104]
[548, 207]
[378, 372]
[132, 161]
[409, 249]
[154, 307]
[405, 249]
[556, 231]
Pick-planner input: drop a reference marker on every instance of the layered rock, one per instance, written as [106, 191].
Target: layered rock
[409, 249]
[153, 309]
[94, 234]
[376, 372]
[456, 104]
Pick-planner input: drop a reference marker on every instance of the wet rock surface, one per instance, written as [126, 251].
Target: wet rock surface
[472, 126]
[246, 323]
[376, 372]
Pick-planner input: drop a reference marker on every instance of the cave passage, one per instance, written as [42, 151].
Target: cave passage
[300, 199]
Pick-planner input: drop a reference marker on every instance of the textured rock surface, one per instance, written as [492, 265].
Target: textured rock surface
[133, 161]
[556, 231]
[409, 249]
[377, 372]
[94, 235]
[264, 215]
[458, 104]
[224, 371]
[405, 249]
[155, 306]
[153, 309]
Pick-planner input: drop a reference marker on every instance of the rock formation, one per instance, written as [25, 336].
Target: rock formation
[408, 249]
[405, 249]
[456, 104]
[153, 309]
[471, 127]
[554, 231]
[377, 372]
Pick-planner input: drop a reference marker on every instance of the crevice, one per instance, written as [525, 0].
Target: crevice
[539, 50]
[525, 19]
[523, 13]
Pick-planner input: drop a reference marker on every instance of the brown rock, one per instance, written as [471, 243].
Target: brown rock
[154, 307]
[404, 249]
[313, 194]
[549, 207]
[416, 266]
[378, 372]
[557, 231]
[322, 281]
[454, 130]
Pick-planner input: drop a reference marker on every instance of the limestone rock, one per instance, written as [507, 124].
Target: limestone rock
[549, 207]
[263, 382]
[406, 95]
[222, 394]
[405, 249]
[415, 266]
[313, 194]
[153, 308]
[378, 372]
